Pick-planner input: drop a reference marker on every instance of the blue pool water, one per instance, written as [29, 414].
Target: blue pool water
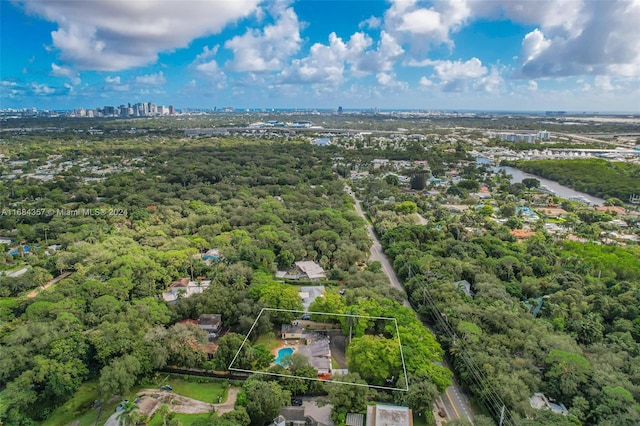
[282, 353]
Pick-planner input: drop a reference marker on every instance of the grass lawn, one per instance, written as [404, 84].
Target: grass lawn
[185, 419]
[80, 406]
[334, 364]
[269, 342]
[207, 391]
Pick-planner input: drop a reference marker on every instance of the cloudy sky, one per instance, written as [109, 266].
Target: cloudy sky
[574, 55]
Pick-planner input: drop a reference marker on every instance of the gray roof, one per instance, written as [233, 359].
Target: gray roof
[355, 419]
[318, 354]
[465, 286]
[311, 269]
[210, 319]
[316, 348]
[288, 328]
[292, 413]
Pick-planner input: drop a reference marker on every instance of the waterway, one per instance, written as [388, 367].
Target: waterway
[558, 189]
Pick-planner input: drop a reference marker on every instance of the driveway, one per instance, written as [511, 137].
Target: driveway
[337, 343]
[320, 414]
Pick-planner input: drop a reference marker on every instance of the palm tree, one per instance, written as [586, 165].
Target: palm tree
[164, 412]
[352, 319]
[129, 415]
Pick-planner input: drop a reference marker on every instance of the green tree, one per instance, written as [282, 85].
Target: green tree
[406, 207]
[566, 372]
[120, 375]
[347, 398]
[130, 415]
[264, 400]
[421, 395]
[375, 358]
[228, 346]
[418, 181]
[531, 183]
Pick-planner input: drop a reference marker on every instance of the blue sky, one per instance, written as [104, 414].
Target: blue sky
[573, 55]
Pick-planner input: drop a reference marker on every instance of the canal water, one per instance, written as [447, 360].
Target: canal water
[559, 190]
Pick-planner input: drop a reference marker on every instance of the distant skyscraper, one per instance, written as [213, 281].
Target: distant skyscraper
[339, 110]
[172, 111]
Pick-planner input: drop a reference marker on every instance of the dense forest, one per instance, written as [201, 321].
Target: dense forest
[543, 315]
[122, 239]
[601, 178]
[126, 214]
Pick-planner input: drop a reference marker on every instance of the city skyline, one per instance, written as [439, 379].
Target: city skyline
[454, 54]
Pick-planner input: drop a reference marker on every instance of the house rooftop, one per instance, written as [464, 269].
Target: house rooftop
[388, 415]
[354, 419]
[311, 269]
[210, 319]
[289, 328]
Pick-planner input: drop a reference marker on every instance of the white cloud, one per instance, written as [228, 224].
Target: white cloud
[423, 27]
[603, 82]
[381, 59]
[115, 84]
[450, 70]
[61, 71]
[571, 37]
[458, 76]
[111, 35]
[574, 37]
[425, 82]
[491, 83]
[326, 63]
[267, 49]
[372, 22]
[532, 86]
[157, 79]
[42, 89]
[389, 80]
[206, 64]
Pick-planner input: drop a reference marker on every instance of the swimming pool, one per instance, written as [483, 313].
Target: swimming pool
[282, 352]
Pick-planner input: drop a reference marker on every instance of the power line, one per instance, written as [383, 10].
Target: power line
[490, 397]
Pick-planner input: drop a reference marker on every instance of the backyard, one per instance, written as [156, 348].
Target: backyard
[80, 407]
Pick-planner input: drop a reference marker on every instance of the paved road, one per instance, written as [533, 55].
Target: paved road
[455, 402]
[377, 253]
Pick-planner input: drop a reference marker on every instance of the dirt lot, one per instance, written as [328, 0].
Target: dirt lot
[151, 399]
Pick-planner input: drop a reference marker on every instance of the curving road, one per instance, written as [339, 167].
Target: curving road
[454, 402]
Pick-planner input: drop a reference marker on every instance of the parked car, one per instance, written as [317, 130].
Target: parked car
[166, 388]
[121, 406]
[305, 317]
[296, 401]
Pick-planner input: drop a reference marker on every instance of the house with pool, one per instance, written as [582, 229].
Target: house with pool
[313, 345]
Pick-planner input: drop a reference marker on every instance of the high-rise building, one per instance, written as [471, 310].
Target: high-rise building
[172, 111]
[543, 135]
[339, 110]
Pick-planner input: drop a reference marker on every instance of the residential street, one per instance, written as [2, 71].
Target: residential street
[455, 402]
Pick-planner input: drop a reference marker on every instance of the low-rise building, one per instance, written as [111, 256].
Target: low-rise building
[310, 270]
[184, 288]
[294, 416]
[211, 323]
[389, 415]
[291, 331]
[540, 402]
